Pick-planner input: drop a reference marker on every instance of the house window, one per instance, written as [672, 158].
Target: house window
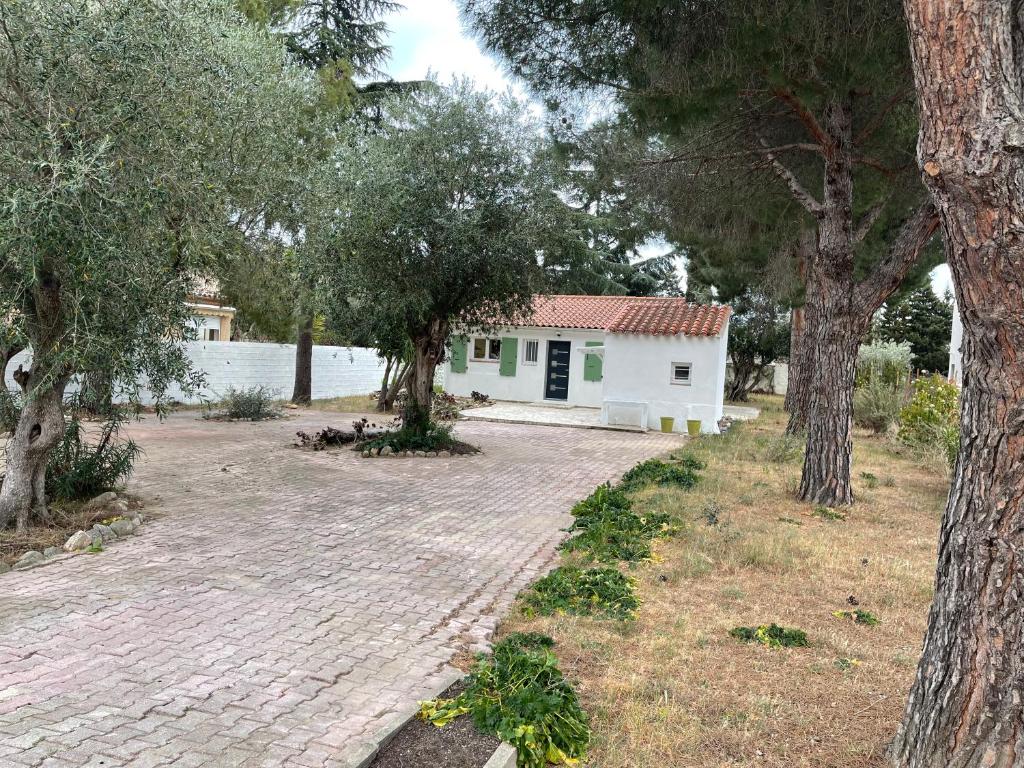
[212, 334]
[531, 351]
[487, 349]
[681, 373]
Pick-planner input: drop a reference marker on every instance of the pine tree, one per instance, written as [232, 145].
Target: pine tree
[924, 320]
[805, 104]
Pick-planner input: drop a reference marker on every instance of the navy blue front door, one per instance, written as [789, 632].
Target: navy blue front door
[556, 384]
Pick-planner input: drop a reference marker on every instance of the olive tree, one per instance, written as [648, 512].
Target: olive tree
[138, 140]
[441, 222]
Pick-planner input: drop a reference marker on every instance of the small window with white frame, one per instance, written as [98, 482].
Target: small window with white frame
[531, 351]
[487, 350]
[681, 373]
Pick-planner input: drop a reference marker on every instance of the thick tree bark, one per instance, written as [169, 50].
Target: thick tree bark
[965, 708]
[798, 386]
[428, 351]
[302, 392]
[39, 429]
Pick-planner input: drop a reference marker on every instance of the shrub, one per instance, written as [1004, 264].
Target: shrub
[519, 695]
[772, 636]
[602, 592]
[438, 437]
[656, 472]
[80, 470]
[876, 405]
[932, 417]
[256, 403]
[885, 361]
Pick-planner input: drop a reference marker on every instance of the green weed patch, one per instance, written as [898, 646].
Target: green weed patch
[867, 618]
[519, 695]
[682, 473]
[598, 592]
[772, 636]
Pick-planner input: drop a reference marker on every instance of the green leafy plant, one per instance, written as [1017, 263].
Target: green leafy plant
[79, 469]
[683, 473]
[932, 417]
[256, 403]
[772, 636]
[519, 695]
[867, 618]
[828, 514]
[600, 592]
[608, 530]
[870, 480]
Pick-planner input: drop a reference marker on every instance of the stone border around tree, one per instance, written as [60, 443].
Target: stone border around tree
[360, 754]
[388, 452]
[123, 523]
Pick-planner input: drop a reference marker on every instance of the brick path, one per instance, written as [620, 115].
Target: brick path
[281, 604]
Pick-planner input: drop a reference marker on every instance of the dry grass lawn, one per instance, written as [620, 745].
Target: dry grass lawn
[674, 689]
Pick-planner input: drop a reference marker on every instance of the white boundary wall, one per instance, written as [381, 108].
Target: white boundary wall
[337, 371]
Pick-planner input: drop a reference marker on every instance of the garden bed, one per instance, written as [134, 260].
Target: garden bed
[420, 744]
[66, 520]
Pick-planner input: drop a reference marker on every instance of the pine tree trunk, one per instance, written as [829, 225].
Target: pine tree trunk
[797, 388]
[829, 347]
[302, 393]
[428, 351]
[827, 459]
[965, 708]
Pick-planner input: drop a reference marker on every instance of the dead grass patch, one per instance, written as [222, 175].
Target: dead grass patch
[672, 688]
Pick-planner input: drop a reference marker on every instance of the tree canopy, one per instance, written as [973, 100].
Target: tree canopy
[441, 216]
[138, 140]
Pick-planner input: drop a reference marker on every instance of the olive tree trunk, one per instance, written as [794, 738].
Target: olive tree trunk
[966, 706]
[428, 351]
[40, 428]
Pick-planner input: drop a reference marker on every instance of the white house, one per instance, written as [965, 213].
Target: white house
[637, 359]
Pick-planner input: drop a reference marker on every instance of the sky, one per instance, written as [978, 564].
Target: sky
[427, 37]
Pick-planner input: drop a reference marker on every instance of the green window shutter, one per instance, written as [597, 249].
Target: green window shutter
[459, 354]
[509, 353]
[593, 366]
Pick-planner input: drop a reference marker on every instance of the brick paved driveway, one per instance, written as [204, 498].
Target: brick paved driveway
[281, 604]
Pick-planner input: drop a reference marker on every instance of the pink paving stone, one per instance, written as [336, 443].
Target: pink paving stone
[281, 602]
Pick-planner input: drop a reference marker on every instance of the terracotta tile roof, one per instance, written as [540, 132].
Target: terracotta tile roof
[668, 317]
[655, 316]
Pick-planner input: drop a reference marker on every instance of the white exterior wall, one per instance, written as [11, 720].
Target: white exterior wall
[337, 371]
[527, 386]
[956, 367]
[639, 369]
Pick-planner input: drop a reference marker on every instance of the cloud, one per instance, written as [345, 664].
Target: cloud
[427, 37]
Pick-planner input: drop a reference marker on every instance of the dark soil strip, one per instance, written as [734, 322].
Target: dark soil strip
[422, 745]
